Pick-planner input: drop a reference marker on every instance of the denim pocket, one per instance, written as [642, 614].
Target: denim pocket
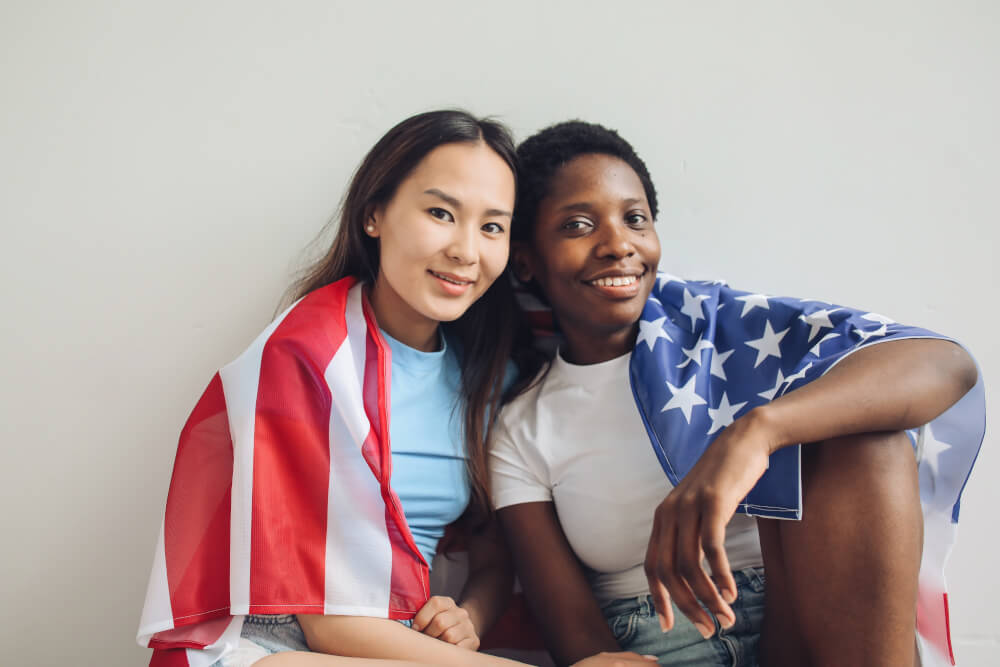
[756, 579]
[623, 627]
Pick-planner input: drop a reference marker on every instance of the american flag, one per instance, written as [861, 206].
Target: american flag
[707, 354]
[280, 501]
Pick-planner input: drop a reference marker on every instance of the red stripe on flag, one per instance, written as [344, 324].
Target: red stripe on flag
[933, 622]
[947, 629]
[410, 586]
[169, 658]
[191, 636]
[196, 523]
[291, 466]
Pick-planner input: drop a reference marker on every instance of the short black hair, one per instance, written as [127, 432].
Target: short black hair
[541, 155]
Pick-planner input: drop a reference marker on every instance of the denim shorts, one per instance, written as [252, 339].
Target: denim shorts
[263, 635]
[634, 623]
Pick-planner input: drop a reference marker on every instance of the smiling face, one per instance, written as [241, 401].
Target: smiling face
[443, 240]
[594, 254]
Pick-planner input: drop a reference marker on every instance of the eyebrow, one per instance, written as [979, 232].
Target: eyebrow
[457, 204]
[587, 206]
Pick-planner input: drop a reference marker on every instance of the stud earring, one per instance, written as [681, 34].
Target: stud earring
[370, 228]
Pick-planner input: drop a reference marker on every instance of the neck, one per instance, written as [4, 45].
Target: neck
[593, 348]
[401, 321]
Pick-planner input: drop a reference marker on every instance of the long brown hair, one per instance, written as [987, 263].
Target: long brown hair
[485, 332]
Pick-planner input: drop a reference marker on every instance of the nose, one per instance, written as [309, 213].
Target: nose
[463, 247]
[615, 241]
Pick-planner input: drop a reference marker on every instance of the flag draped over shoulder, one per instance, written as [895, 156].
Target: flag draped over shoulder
[280, 500]
[707, 354]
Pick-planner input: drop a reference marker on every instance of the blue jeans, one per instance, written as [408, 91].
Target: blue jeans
[634, 624]
[263, 635]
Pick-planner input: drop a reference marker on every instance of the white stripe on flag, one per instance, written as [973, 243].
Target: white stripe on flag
[357, 540]
[157, 614]
[226, 643]
[239, 385]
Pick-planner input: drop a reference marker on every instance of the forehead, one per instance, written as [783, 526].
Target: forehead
[595, 176]
[469, 169]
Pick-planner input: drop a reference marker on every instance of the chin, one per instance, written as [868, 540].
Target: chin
[445, 313]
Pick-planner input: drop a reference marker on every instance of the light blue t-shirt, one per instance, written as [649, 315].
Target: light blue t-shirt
[426, 433]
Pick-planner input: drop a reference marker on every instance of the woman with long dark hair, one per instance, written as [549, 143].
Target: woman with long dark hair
[282, 533]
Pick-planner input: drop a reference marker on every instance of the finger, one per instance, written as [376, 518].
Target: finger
[457, 633]
[687, 581]
[663, 605]
[471, 643]
[430, 609]
[447, 620]
[713, 542]
[691, 569]
[654, 564]
[630, 658]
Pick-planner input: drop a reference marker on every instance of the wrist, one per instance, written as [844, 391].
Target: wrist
[764, 426]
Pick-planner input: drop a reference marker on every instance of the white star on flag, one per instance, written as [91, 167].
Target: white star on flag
[865, 335]
[692, 306]
[684, 398]
[769, 394]
[930, 451]
[694, 352]
[875, 317]
[719, 358]
[723, 415]
[751, 301]
[767, 345]
[650, 332]
[814, 351]
[817, 320]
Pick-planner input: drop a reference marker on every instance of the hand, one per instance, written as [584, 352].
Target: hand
[615, 660]
[442, 619]
[690, 524]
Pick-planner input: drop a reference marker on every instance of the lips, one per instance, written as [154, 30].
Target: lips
[451, 278]
[616, 279]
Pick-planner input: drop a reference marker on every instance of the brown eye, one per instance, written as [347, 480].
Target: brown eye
[493, 228]
[577, 225]
[635, 219]
[441, 214]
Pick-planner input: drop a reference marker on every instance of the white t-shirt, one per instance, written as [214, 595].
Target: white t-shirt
[576, 439]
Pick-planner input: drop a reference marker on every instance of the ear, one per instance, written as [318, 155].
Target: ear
[373, 215]
[522, 262]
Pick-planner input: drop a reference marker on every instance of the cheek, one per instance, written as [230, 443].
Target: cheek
[494, 259]
[403, 250]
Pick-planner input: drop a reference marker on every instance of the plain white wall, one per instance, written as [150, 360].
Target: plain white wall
[163, 165]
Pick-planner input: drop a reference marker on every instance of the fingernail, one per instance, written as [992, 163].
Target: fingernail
[729, 596]
[650, 657]
[725, 621]
[705, 631]
[663, 624]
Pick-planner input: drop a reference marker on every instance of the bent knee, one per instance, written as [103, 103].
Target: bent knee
[886, 452]
[880, 468]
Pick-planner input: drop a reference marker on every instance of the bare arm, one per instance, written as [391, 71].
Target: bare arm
[553, 580]
[890, 386]
[364, 637]
[351, 639]
[491, 577]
